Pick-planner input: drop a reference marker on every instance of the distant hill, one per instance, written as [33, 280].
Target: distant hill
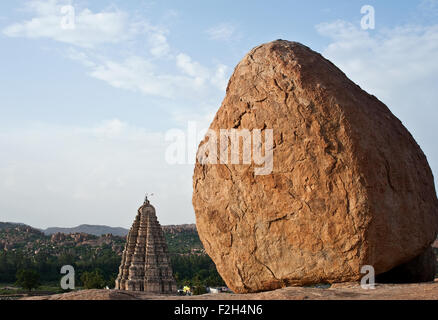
[176, 228]
[95, 230]
[93, 247]
[99, 230]
[181, 239]
[7, 225]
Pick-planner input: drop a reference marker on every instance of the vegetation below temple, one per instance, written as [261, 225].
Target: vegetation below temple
[24, 247]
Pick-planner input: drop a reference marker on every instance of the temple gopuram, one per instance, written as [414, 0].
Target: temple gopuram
[145, 262]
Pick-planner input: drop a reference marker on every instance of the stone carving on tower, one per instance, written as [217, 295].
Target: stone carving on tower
[145, 262]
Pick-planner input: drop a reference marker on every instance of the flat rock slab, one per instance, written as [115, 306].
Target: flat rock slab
[345, 291]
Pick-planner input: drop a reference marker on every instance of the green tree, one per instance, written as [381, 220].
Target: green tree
[93, 280]
[198, 288]
[28, 279]
[111, 283]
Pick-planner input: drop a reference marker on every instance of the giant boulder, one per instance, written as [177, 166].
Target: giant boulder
[349, 186]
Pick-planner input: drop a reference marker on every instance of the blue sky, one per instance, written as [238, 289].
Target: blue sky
[84, 112]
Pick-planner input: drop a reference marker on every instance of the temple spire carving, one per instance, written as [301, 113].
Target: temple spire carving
[145, 262]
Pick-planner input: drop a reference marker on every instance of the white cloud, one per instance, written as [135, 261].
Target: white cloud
[80, 57]
[135, 74]
[110, 129]
[191, 68]
[158, 42]
[90, 29]
[202, 117]
[217, 78]
[143, 72]
[223, 31]
[388, 63]
[66, 175]
[220, 78]
[140, 74]
[397, 65]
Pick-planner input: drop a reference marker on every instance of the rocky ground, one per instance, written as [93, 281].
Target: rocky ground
[345, 291]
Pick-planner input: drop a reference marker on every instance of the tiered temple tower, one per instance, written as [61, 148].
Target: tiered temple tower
[145, 261]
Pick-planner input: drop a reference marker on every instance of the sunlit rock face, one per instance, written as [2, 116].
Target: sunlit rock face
[349, 186]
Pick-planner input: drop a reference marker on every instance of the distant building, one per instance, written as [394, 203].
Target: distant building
[145, 262]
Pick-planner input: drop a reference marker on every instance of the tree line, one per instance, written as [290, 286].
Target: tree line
[98, 271]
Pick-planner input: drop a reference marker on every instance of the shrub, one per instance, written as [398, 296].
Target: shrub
[28, 279]
[93, 280]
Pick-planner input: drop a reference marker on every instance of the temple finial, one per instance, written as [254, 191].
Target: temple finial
[146, 200]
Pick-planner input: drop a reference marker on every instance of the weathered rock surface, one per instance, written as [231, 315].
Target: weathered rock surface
[349, 186]
[350, 291]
